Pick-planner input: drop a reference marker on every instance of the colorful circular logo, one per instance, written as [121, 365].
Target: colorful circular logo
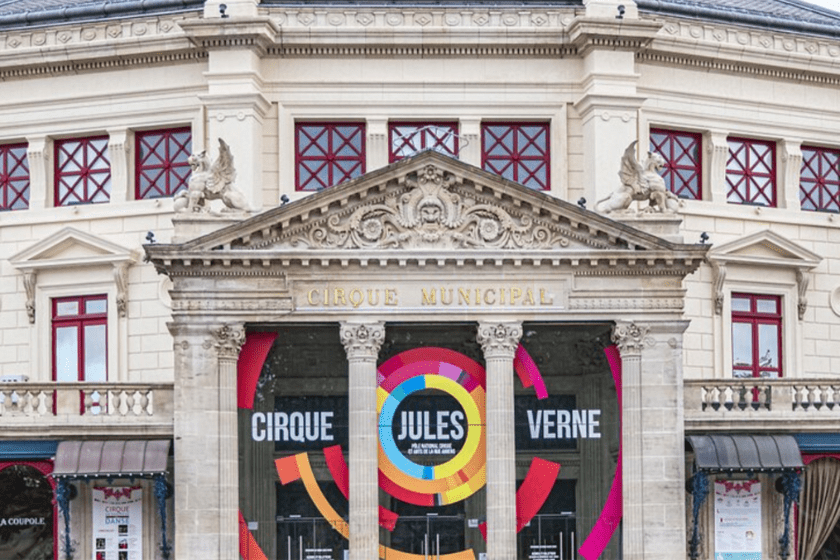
[461, 379]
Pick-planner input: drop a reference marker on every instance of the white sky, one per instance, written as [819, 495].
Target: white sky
[830, 4]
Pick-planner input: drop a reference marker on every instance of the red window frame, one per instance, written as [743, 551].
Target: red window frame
[82, 171]
[161, 168]
[683, 154]
[328, 153]
[14, 177]
[751, 172]
[418, 136]
[755, 318]
[518, 151]
[80, 320]
[819, 179]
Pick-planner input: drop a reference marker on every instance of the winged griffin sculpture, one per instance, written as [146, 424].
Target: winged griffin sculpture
[640, 182]
[211, 182]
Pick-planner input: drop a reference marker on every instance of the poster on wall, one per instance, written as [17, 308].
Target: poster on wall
[737, 520]
[117, 523]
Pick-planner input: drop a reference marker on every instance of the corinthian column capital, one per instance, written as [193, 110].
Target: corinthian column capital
[228, 340]
[499, 339]
[630, 338]
[362, 340]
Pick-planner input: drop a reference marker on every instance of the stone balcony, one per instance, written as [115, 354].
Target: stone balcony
[33, 410]
[777, 405]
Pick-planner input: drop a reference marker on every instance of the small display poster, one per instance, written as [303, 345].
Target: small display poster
[737, 520]
[117, 523]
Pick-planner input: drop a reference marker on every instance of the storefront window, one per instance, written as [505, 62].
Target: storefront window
[26, 512]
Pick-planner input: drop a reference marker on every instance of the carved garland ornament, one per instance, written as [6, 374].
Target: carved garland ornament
[429, 215]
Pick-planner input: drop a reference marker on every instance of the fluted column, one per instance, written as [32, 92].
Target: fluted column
[630, 339]
[228, 341]
[361, 342]
[499, 341]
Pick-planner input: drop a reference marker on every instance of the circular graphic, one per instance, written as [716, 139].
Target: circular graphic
[458, 377]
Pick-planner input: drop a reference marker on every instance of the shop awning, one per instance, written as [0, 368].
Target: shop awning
[735, 453]
[113, 458]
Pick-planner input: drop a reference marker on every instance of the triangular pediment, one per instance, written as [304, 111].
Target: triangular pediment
[765, 248]
[429, 202]
[70, 247]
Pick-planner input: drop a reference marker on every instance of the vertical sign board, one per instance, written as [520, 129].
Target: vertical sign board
[737, 520]
[117, 523]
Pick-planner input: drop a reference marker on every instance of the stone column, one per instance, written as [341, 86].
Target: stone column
[499, 341]
[361, 342]
[228, 341]
[206, 448]
[630, 339]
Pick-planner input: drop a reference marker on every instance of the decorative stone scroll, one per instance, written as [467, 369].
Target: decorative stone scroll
[499, 339]
[228, 341]
[430, 214]
[630, 338]
[362, 340]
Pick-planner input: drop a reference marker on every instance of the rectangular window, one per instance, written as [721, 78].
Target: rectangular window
[756, 336]
[79, 326]
[161, 162]
[407, 138]
[819, 179]
[683, 166]
[517, 151]
[82, 171]
[14, 177]
[751, 172]
[327, 154]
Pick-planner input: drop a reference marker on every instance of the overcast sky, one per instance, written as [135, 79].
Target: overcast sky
[830, 4]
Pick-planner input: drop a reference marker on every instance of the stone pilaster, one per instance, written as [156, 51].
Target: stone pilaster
[362, 342]
[228, 341]
[119, 148]
[499, 341]
[717, 149]
[630, 339]
[787, 193]
[206, 448]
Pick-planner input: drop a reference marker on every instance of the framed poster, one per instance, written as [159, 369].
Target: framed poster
[117, 523]
[737, 520]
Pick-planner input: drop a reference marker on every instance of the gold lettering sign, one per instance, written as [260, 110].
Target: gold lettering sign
[350, 296]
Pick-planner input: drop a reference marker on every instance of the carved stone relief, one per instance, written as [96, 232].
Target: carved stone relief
[499, 340]
[429, 214]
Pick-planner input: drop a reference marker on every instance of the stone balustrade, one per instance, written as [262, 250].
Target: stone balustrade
[36, 406]
[726, 402]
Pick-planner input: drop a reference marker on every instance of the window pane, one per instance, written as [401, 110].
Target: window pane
[93, 306]
[67, 308]
[768, 346]
[95, 353]
[740, 304]
[767, 306]
[742, 349]
[66, 354]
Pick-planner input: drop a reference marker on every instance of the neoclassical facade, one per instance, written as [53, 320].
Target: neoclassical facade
[413, 280]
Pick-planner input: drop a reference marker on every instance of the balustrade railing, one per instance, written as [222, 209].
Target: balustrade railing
[115, 400]
[705, 398]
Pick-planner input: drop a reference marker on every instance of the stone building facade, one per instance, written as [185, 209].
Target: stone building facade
[422, 330]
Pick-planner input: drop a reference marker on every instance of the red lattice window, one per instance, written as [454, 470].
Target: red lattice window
[756, 336]
[80, 328]
[161, 166]
[407, 138]
[819, 179]
[327, 154]
[83, 171]
[683, 166]
[751, 172]
[517, 151]
[14, 177]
